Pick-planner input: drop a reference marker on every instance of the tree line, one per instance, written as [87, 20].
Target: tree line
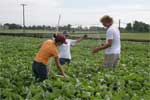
[137, 26]
[52, 28]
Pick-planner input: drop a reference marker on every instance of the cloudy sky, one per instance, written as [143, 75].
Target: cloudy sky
[75, 12]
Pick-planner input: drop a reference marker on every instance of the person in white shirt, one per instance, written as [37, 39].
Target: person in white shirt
[112, 46]
[64, 49]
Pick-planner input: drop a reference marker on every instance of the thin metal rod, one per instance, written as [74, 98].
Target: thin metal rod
[57, 28]
[23, 13]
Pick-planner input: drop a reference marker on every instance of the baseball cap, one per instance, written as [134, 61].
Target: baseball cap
[61, 38]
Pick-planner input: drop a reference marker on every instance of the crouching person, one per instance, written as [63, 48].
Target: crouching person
[47, 50]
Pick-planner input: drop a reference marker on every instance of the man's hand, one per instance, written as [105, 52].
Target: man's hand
[81, 38]
[95, 50]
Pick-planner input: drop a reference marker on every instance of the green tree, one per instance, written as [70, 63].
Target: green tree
[69, 27]
[129, 27]
[140, 27]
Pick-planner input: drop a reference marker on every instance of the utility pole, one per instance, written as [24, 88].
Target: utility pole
[57, 28]
[119, 24]
[23, 20]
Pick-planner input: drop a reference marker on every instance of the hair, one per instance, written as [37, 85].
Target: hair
[54, 35]
[56, 39]
[106, 19]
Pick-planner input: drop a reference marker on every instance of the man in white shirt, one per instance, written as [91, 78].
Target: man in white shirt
[112, 46]
[64, 49]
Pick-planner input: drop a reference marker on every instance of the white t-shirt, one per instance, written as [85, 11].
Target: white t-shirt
[114, 34]
[64, 49]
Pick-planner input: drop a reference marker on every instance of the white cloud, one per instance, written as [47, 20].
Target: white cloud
[47, 11]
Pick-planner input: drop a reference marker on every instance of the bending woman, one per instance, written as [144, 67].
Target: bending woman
[47, 50]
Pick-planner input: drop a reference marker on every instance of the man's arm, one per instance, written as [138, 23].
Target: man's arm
[104, 46]
[81, 38]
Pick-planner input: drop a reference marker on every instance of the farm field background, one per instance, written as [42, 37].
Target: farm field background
[87, 81]
[137, 36]
[94, 34]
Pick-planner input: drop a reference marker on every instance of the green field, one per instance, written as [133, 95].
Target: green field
[87, 81]
[138, 36]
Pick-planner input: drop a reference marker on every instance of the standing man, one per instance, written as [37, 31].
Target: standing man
[64, 49]
[112, 45]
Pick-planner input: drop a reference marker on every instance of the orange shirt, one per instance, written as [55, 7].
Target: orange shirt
[47, 50]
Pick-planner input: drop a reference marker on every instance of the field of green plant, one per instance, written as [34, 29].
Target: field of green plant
[87, 79]
[137, 36]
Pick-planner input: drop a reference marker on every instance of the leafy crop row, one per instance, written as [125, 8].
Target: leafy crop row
[88, 80]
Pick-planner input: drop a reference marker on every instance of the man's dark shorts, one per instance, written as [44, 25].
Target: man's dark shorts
[64, 61]
[40, 71]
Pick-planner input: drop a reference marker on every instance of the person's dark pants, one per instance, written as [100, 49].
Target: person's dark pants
[64, 61]
[40, 71]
